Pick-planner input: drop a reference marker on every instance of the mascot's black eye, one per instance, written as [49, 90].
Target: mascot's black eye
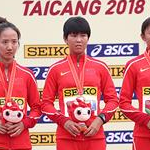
[7, 113]
[79, 112]
[19, 115]
[89, 112]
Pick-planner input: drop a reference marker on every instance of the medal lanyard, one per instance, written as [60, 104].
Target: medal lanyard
[147, 57]
[11, 82]
[79, 81]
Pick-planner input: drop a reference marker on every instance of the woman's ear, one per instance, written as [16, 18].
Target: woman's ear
[65, 40]
[143, 37]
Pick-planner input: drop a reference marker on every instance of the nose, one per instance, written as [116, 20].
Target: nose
[79, 38]
[9, 46]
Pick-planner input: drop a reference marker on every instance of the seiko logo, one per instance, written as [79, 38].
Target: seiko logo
[116, 71]
[43, 138]
[40, 51]
[146, 91]
[86, 90]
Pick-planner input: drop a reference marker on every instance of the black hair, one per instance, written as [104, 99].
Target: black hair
[6, 24]
[145, 24]
[76, 25]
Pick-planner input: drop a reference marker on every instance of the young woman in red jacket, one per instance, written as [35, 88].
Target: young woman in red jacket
[17, 89]
[79, 77]
[137, 79]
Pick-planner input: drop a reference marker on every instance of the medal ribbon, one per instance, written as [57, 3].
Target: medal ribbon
[11, 82]
[79, 81]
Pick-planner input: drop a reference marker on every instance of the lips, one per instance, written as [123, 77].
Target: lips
[9, 53]
[78, 47]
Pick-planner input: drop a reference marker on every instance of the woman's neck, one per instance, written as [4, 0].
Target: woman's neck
[6, 62]
[78, 56]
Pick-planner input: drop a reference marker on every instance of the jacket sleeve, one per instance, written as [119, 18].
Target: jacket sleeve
[125, 103]
[109, 94]
[33, 101]
[49, 93]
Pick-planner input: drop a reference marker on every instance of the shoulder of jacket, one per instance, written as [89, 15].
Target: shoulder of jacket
[98, 62]
[135, 60]
[58, 63]
[25, 70]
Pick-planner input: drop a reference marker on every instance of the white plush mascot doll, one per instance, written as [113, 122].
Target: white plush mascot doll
[80, 112]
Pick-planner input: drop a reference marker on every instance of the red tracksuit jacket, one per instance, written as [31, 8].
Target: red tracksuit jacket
[24, 92]
[136, 79]
[97, 81]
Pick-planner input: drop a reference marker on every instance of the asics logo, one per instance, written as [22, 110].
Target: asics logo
[144, 69]
[64, 73]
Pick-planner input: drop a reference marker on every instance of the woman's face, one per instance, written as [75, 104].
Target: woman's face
[146, 36]
[77, 43]
[8, 44]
